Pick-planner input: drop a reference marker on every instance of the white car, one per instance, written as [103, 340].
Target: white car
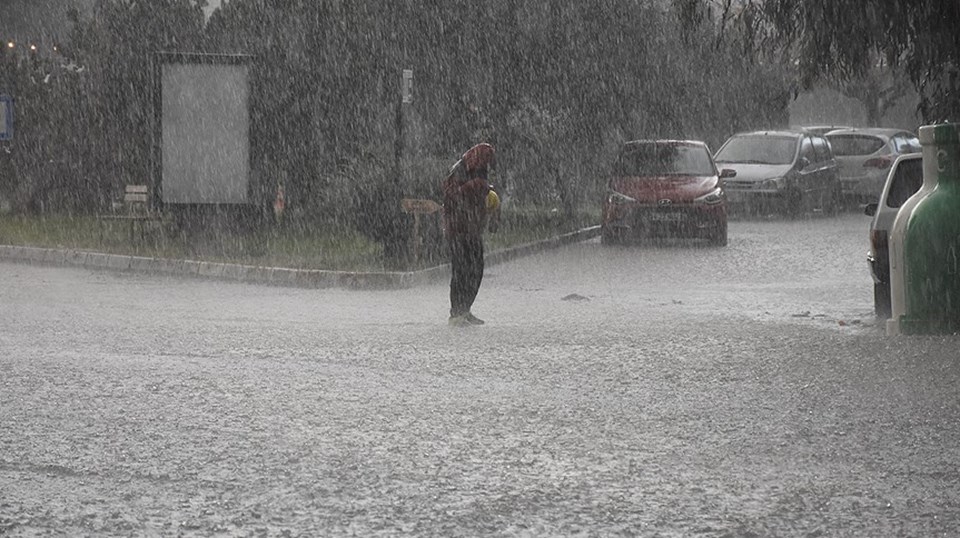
[904, 179]
[865, 156]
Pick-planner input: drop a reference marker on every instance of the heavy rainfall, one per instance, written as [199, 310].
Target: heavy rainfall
[245, 247]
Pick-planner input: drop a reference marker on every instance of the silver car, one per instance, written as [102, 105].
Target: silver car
[780, 171]
[865, 157]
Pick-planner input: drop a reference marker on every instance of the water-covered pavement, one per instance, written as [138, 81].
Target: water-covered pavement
[642, 390]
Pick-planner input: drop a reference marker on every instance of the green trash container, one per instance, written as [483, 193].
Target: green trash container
[931, 248]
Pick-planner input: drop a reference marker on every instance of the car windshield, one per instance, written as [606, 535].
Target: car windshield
[850, 144]
[664, 160]
[758, 150]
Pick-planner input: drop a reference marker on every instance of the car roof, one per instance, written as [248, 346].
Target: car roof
[664, 142]
[781, 133]
[821, 128]
[634, 144]
[876, 131]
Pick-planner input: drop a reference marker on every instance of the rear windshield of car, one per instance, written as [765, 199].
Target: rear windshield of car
[665, 160]
[850, 144]
[758, 150]
[906, 181]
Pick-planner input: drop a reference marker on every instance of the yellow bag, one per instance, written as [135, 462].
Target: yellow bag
[493, 200]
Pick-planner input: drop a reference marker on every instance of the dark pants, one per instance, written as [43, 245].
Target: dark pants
[466, 260]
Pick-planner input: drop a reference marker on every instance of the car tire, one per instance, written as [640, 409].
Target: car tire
[718, 237]
[881, 300]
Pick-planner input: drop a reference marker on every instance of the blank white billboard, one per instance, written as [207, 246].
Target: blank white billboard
[205, 123]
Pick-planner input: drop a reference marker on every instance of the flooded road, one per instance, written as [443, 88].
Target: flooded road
[654, 390]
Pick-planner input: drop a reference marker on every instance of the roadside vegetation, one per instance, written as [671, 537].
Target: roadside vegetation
[315, 245]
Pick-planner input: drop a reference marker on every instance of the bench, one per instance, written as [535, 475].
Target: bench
[135, 211]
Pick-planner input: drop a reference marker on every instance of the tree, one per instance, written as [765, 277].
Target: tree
[878, 89]
[114, 47]
[44, 167]
[841, 40]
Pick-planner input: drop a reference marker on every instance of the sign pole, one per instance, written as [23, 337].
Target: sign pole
[396, 247]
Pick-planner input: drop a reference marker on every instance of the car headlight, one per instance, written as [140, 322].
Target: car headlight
[772, 184]
[615, 197]
[713, 197]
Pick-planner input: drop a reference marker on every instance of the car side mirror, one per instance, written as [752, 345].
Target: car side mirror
[727, 173]
[804, 163]
[870, 210]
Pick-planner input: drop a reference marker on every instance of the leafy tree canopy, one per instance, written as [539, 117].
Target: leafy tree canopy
[845, 39]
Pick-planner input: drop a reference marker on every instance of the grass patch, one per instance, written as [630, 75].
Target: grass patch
[521, 226]
[315, 246]
[323, 248]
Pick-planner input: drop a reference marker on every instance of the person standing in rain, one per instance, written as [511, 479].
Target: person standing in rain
[467, 200]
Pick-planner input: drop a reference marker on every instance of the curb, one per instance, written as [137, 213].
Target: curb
[279, 276]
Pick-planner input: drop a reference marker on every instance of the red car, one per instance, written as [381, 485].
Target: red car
[665, 188]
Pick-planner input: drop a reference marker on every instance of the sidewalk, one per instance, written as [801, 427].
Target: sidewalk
[280, 276]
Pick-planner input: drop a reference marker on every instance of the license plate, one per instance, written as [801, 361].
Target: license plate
[665, 217]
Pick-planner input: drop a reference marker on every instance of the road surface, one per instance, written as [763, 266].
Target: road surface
[654, 390]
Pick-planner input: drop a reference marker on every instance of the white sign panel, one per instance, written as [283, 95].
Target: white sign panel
[6, 118]
[205, 123]
[406, 86]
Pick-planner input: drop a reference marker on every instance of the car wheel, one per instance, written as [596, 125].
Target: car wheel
[718, 237]
[881, 300]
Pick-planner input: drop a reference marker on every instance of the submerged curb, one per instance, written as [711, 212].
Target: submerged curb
[280, 276]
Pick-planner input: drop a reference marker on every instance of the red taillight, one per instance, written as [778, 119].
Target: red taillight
[878, 162]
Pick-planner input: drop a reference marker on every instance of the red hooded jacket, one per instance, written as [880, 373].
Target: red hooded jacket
[465, 192]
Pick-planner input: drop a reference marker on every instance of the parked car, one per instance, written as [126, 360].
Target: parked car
[903, 180]
[665, 188]
[865, 156]
[780, 171]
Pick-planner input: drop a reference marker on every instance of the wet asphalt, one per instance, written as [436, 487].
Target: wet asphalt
[646, 390]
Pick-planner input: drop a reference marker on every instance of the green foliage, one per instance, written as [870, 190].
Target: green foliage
[846, 40]
[84, 113]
